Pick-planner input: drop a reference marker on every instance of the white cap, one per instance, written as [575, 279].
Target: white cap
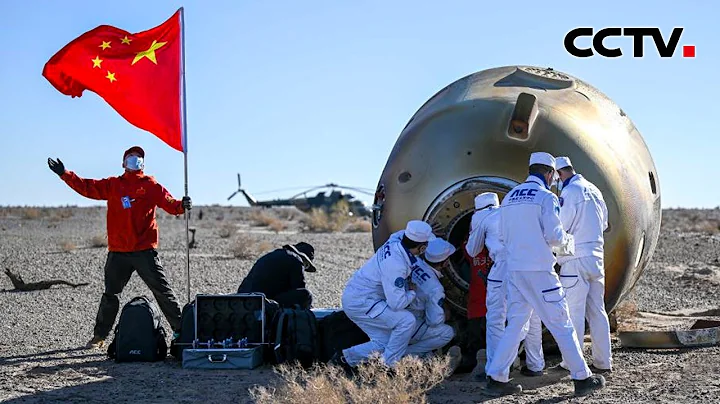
[438, 250]
[485, 199]
[418, 231]
[542, 158]
[562, 162]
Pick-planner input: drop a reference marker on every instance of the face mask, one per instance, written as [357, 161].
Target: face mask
[134, 163]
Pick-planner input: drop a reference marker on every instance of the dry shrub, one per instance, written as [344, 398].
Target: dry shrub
[706, 226]
[67, 246]
[261, 218]
[329, 384]
[99, 241]
[30, 213]
[226, 230]
[263, 247]
[286, 214]
[277, 226]
[359, 226]
[320, 221]
[64, 213]
[246, 247]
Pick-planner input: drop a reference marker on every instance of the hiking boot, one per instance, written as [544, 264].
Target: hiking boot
[480, 377]
[496, 389]
[525, 371]
[95, 342]
[587, 386]
[599, 370]
[455, 358]
[479, 371]
[558, 368]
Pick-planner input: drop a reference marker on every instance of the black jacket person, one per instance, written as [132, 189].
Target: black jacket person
[279, 275]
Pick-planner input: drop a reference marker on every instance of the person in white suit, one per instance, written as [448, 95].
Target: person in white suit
[377, 296]
[531, 230]
[584, 214]
[485, 232]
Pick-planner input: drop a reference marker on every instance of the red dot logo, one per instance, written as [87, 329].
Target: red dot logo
[689, 51]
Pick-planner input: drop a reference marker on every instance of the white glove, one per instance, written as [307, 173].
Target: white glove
[567, 247]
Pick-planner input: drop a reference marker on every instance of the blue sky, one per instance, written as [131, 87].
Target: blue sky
[294, 94]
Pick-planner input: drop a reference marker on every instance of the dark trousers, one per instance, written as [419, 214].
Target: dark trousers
[289, 299]
[474, 340]
[118, 269]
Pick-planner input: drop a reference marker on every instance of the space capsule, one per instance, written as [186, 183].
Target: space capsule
[476, 135]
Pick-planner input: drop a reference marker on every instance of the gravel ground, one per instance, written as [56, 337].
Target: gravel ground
[42, 332]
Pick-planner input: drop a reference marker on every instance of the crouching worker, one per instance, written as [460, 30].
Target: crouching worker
[279, 275]
[431, 332]
[378, 294]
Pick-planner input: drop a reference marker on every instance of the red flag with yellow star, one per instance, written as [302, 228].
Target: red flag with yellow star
[137, 74]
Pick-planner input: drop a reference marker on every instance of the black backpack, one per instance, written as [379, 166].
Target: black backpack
[139, 335]
[187, 331]
[338, 332]
[296, 337]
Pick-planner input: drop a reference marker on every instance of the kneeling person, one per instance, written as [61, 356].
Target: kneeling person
[279, 275]
[378, 294]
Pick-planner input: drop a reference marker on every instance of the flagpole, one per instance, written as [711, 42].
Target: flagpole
[184, 136]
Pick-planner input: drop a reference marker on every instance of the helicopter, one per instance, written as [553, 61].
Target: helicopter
[320, 201]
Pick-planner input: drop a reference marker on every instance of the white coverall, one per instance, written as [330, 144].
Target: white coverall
[430, 331]
[376, 299]
[584, 215]
[485, 231]
[530, 226]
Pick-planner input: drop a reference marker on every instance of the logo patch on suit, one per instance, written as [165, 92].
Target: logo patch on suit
[140, 191]
[400, 282]
[561, 201]
[441, 302]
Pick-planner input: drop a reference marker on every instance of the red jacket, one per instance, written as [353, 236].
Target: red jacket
[478, 289]
[130, 228]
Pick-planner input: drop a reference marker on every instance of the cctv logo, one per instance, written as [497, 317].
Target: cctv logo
[666, 49]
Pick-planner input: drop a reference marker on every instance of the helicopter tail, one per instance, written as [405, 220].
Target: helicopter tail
[251, 201]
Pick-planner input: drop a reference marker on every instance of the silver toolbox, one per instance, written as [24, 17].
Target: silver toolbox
[219, 358]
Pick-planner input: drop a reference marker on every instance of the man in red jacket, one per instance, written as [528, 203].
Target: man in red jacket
[132, 236]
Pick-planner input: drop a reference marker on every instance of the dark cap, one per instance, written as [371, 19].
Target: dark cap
[136, 149]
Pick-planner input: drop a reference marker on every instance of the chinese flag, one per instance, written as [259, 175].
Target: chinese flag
[137, 74]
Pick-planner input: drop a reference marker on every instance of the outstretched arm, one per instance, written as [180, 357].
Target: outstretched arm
[93, 189]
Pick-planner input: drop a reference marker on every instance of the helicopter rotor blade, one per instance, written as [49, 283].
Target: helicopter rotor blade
[239, 182]
[233, 194]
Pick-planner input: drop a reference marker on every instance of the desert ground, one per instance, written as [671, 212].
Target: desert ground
[42, 333]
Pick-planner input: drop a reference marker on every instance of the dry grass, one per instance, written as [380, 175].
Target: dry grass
[263, 218]
[67, 246]
[226, 230]
[328, 384]
[692, 220]
[705, 226]
[320, 221]
[63, 213]
[359, 226]
[99, 241]
[30, 213]
[246, 247]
